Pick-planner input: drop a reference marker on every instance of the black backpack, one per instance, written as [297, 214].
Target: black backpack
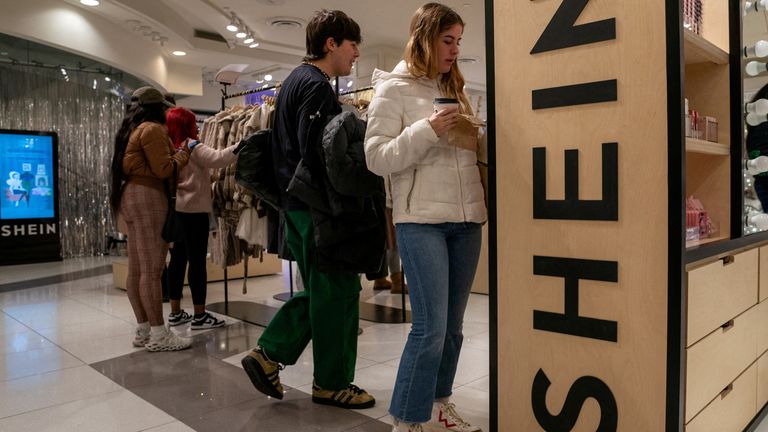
[255, 169]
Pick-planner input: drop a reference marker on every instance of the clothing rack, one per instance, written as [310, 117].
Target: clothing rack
[362, 89]
[251, 312]
[225, 96]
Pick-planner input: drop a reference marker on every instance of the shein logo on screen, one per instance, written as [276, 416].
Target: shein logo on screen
[27, 230]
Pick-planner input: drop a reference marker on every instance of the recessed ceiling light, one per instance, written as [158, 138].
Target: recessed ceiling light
[107, 79]
[349, 84]
[179, 53]
[248, 40]
[232, 27]
[240, 35]
[267, 77]
[253, 45]
[90, 2]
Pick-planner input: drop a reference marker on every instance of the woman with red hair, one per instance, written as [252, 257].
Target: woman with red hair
[193, 205]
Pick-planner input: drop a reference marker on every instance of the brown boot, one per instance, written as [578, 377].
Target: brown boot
[382, 284]
[398, 284]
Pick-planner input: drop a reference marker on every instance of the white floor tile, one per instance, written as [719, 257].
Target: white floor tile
[479, 341]
[483, 383]
[22, 341]
[77, 332]
[119, 411]
[52, 388]
[9, 325]
[378, 380]
[26, 363]
[96, 350]
[52, 314]
[473, 365]
[380, 345]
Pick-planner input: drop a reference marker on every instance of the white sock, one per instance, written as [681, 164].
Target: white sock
[156, 331]
[143, 327]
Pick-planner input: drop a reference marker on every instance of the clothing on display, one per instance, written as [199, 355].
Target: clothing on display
[230, 200]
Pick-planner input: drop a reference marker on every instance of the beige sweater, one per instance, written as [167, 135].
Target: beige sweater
[193, 193]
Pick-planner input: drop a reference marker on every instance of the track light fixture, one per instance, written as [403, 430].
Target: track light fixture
[233, 23]
[241, 30]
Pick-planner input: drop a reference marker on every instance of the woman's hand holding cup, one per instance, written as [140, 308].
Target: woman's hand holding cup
[446, 115]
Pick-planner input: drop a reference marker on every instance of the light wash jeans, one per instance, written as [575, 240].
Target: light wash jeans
[439, 262]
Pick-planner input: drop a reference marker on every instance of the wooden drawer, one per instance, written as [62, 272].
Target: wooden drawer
[732, 409]
[762, 380]
[763, 275]
[762, 327]
[715, 361]
[719, 291]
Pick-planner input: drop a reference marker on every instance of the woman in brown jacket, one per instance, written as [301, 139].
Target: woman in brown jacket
[144, 159]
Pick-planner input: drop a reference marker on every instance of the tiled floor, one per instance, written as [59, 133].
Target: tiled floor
[66, 362]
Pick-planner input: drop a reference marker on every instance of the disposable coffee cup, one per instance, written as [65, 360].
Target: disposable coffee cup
[442, 103]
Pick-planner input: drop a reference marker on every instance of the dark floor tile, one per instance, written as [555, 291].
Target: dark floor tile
[199, 392]
[50, 280]
[372, 426]
[227, 341]
[143, 367]
[296, 413]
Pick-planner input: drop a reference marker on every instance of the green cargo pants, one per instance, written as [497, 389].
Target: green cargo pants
[326, 312]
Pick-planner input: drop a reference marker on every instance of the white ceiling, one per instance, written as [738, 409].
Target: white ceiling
[384, 26]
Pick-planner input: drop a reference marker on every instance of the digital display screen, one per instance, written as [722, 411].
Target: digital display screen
[28, 171]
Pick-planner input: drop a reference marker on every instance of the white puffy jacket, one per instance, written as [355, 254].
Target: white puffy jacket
[432, 181]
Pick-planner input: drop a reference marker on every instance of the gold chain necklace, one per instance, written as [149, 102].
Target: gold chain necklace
[318, 68]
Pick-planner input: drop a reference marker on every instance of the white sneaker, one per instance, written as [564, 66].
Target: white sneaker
[405, 427]
[445, 418]
[142, 337]
[167, 341]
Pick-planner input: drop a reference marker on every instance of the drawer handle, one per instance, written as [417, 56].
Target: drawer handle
[730, 259]
[727, 326]
[726, 390]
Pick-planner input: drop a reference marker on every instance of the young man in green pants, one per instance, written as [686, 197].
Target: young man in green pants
[326, 312]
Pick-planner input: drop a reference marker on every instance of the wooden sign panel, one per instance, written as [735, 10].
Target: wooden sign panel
[581, 163]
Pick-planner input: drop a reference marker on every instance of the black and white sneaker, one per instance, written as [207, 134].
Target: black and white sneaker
[207, 321]
[179, 318]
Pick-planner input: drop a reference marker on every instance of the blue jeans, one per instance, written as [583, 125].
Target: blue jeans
[439, 262]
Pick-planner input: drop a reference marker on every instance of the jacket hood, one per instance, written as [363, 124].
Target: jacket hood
[399, 72]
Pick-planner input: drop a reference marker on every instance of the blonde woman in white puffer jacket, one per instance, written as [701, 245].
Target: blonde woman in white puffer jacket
[438, 209]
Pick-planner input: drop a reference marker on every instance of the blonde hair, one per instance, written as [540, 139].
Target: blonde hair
[426, 25]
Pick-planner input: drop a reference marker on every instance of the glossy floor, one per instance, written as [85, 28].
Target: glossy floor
[67, 364]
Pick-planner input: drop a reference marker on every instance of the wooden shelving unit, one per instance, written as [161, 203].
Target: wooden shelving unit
[694, 145]
[702, 242]
[700, 50]
[708, 90]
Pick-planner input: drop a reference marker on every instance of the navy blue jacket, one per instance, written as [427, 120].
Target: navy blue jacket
[305, 99]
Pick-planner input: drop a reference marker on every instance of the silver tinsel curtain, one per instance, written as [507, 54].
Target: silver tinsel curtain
[86, 121]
